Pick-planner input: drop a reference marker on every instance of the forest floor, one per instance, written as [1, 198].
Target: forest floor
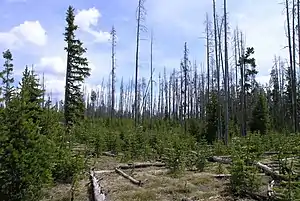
[158, 184]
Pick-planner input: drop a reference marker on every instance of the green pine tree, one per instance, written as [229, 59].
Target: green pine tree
[6, 76]
[26, 154]
[260, 116]
[211, 128]
[77, 71]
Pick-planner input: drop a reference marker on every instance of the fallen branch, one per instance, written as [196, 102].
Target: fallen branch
[222, 176]
[107, 153]
[98, 194]
[220, 159]
[225, 176]
[261, 166]
[141, 165]
[103, 171]
[270, 172]
[133, 180]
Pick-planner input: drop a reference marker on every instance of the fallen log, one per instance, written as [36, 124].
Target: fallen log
[98, 194]
[107, 153]
[270, 172]
[222, 176]
[219, 160]
[226, 176]
[103, 171]
[261, 166]
[277, 152]
[133, 180]
[141, 165]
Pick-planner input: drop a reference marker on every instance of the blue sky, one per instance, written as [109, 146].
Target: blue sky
[33, 29]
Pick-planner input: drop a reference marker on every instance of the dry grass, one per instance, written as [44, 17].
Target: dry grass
[61, 192]
[158, 184]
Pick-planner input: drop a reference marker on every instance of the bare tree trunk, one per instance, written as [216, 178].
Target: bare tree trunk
[151, 80]
[166, 109]
[218, 72]
[113, 68]
[196, 91]
[185, 71]
[294, 68]
[141, 13]
[291, 60]
[207, 57]
[236, 70]
[243, 97]
[226, 76]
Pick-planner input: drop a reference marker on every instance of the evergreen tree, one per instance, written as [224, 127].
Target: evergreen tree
[26, 157]
[77, 71]
[6, 76]
[211, 129]
[260, 117]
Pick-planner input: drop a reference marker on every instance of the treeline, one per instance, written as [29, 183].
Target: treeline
[220, 95]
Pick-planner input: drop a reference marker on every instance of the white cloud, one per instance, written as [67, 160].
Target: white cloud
[54, 69]
[55, 65]
[29, 31]
[55, 86]
[87, 20]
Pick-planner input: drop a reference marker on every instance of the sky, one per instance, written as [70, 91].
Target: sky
[33, 31]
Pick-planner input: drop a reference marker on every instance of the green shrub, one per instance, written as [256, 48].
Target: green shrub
[67, 167]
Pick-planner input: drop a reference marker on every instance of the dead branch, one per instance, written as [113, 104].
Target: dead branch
[270, 172]
[133, 180]
[103, 171]
[220, 160]
[226, 176]
[141, 165]
[98, 194]
[107, 153]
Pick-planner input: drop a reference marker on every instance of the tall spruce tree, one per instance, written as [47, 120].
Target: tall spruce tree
[77, 71]
[6, 75]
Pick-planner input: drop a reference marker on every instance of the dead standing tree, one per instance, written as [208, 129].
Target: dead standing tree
[226, 75]
[113, 69]
[141, 14]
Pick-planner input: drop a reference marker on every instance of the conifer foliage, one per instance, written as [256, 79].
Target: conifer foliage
[6, 75]
[25, 157]
[77, 71]
[260, 117]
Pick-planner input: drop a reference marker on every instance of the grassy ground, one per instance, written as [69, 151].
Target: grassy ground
[158, 184]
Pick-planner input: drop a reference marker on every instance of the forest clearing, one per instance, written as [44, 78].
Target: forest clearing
[194, 178]
[203, 131]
